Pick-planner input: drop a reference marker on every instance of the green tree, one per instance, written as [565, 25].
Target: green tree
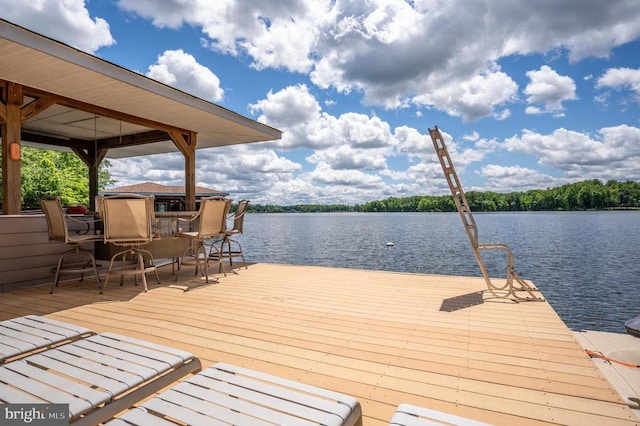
[55, 173]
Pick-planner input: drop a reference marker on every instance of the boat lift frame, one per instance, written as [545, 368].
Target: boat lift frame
[514, 283]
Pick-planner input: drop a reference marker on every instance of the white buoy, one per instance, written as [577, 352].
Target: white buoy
[389, 244]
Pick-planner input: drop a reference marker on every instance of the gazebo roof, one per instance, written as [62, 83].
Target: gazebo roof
[96, 100]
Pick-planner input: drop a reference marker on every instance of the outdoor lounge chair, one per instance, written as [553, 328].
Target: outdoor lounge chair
[98, 376]
[411, 415]
[59, 231]
[226, 394]
[22, 335]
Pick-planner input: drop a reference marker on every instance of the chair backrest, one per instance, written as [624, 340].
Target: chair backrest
[127, 218]
[56, 219]
[213, 216]
[238, 217]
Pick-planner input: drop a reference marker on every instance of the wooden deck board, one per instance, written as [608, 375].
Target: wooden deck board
[385, 338]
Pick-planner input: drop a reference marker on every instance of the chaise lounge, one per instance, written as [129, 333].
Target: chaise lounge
[412, 415]
[228, 394]
[23, 335]
[97, 376]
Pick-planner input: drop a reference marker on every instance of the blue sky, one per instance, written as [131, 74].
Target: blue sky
[528, 94]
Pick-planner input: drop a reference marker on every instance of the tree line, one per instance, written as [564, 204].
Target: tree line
[47, 172]
[585, 195]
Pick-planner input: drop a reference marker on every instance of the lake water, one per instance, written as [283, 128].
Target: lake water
[587, 264]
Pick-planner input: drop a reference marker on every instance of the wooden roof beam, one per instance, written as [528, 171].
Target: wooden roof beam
[105, 112]
[107, 143]
[35, 107]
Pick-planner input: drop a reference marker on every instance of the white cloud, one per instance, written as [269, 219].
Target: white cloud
[348, 164]
[325, 174]
[614, 154]
[548, 88]
[394, 50]
[167, 169]
[67, 21]
[280, 34]
[515, 178]
[181, 70]
[621, 78]
[288, 107]
[442, 54]
[473, 99]
[299, 114]
[348, 157]
[414, 144]
[472, 137]
[242, 170]
[502, 115]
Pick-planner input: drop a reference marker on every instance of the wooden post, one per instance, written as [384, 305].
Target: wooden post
[190, 173]
[92, 157]
[11, 134]
[186, 143]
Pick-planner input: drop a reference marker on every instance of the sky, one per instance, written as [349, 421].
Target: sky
[528, 94]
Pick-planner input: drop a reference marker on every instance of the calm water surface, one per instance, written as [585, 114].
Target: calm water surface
[587, 264]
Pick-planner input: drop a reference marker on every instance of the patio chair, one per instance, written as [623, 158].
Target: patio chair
[128, 222]
[226, 251]
[98, 376]
[22, 335]
[57, 225]
[211, 224]
[412, 415]
[227, 394]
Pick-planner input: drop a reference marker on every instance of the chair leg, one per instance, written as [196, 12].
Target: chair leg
[124, 264]
[59, 268]
[227, 252]
[151, 262]
[218, 256]
[184, 253]
[200, 258]
[202, 248]
[56, 279]
[141, 268]
[194, 251]
[228, 241]
[95, 270]
[240, 252]
[122, 267]
[106, 280]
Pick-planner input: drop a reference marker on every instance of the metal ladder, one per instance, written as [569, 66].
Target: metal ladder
[513, 282]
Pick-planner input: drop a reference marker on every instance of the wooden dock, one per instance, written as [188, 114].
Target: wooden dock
[385, 338]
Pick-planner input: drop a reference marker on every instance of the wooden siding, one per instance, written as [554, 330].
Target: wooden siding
[386, 338]
[26, 254]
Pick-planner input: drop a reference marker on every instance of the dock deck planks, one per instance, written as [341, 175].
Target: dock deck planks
[385, 338]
